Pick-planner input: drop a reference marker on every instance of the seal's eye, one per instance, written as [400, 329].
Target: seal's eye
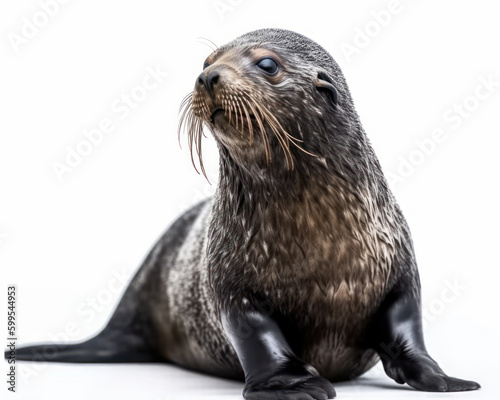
[206, 65]
[268, 65]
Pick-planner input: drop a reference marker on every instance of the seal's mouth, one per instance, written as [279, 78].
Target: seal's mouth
[220, 111]
[217, 111]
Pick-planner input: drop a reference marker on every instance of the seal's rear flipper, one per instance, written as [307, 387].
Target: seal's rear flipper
[107, 347]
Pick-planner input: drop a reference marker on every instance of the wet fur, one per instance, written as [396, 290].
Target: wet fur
[319, 245]
[318, 242]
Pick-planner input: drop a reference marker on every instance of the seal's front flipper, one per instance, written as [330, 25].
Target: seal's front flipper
[396, 335]
[107, 347]
[272, 370]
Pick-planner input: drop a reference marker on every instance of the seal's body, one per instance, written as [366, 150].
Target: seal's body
[301, 267]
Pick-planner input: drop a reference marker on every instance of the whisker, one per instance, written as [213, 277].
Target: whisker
[249, 121]
[275, 128]
[229, 108]
[187, 99]
[194, 126]
[240, 115]
[291, 138]
[210, 44]
[209, 41]
[184, 110]
[262, 130]
[199, 149]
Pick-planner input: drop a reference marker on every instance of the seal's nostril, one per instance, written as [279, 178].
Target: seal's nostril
[202, 79]
[212, 79]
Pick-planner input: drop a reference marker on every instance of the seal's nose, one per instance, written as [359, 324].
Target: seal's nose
[209, 80]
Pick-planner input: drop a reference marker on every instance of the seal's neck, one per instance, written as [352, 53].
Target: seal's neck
[310, 192]
[351, 172]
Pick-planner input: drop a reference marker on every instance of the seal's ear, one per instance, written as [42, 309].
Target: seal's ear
[324, 84]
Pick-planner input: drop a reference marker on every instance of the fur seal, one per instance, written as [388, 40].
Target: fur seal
[301, 269]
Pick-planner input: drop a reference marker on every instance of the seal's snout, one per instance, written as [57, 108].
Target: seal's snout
[209, 80]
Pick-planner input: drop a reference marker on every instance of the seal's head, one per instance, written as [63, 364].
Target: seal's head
[270, 98]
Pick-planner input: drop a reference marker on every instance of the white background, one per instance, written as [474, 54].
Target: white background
[64, 242]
